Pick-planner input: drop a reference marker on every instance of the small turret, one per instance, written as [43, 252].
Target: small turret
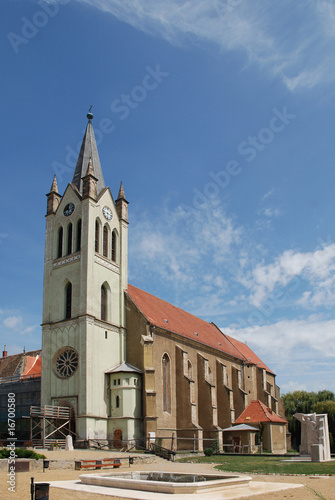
[53, 198]
[90, 182]
[122, 205]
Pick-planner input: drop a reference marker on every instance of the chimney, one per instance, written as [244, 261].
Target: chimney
[4, 352]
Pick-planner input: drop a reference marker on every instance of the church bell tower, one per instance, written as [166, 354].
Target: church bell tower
[85, 277]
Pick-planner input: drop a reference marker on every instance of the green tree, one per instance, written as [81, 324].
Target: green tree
[302, 402]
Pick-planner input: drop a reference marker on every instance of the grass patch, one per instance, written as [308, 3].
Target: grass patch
[21, 453]
[264, 465]
[316, 493]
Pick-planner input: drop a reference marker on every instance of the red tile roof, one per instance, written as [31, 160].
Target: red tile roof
[256, 412]
[171, 318]
[250, 356]
[33, 366]
[10, 365]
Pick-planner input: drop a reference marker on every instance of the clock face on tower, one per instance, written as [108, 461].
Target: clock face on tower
[68, 210]
[107, 213]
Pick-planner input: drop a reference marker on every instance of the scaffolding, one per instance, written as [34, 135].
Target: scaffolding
[49, 425]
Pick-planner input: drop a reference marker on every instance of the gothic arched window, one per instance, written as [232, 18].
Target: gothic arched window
[69, 238]
[97, 235]
[78, 239]
[103, 303]
[60, 243]
[166, 383]
[68, 301]
[105, 242]
[114, 246]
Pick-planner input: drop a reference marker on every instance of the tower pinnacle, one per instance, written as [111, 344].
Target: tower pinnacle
[88, 151]
[53, 198]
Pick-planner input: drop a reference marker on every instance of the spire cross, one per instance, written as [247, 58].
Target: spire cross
[89, 114]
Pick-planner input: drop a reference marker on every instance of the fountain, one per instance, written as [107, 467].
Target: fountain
[165, 482]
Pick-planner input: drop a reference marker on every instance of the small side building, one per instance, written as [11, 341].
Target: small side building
[272, 427]
[240, 439]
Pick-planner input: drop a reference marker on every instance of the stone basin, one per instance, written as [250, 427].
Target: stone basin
[165, 482]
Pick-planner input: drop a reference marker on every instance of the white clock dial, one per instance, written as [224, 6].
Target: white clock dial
[107, 213]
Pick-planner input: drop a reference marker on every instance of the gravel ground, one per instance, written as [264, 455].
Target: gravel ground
[323, 485]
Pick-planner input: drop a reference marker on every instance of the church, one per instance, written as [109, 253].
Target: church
[127, 364]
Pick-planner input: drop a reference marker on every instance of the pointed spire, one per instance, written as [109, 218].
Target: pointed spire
[54, 187]
[90, 182]
[122, 205]
[53, 197]
[121, 195]
[90, 170]
[88, 151]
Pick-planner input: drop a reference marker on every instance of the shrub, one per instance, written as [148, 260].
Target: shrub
[208, 452]
[21, 453]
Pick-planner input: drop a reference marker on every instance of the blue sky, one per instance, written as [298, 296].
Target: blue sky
[218, 117]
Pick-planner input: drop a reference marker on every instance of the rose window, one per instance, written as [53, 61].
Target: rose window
[66, 363]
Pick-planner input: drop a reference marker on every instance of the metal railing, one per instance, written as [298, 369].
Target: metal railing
[160, 451]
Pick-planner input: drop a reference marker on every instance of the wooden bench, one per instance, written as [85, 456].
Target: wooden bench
[97, 464]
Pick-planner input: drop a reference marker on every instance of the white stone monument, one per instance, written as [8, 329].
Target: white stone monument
[69, 443]
[314, 436]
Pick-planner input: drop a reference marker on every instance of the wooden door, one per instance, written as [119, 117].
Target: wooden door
[118, 438]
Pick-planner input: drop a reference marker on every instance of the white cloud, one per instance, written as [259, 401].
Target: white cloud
[184, 249]
[291, 386]
[209, 256]
[267, 195]
[13, 322]
[16, 323]
[317, 267]
[290, 341]
[269, 212]
[300, 352]
[293, 40]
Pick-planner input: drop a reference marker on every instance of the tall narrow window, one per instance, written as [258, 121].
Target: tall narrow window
[78, 239]
[68, 301]
[166, 383]
[103, 303]
[113, 246]
[189, 370]
[69, 239]
[60, 243]
[105, 242]
[117, 401]
[97, 236]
